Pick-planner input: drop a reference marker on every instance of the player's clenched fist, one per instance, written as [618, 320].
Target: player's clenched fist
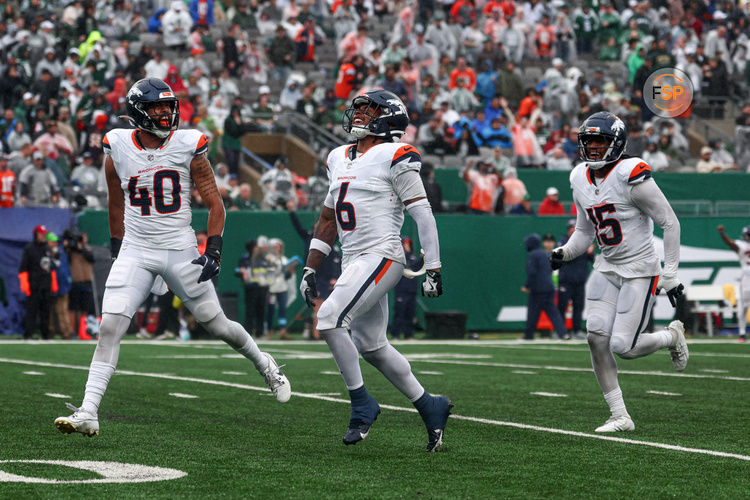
[307, 286]
[432, 286]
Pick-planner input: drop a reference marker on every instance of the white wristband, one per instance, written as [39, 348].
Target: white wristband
[320, 245]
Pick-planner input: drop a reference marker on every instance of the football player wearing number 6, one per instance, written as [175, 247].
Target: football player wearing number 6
[371, 181]
[618, 202]
[150, 171]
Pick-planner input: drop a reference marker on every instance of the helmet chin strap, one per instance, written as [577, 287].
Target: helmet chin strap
[359, 132]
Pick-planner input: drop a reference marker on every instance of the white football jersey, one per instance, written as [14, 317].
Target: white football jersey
[624, 233]
[157, 186]
[743, 251]
[369, 213]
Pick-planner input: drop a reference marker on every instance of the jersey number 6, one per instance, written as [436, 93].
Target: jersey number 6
[344, 207]
[608, 231]
[140, 197]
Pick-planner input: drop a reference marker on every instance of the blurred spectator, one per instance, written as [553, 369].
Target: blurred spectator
[656, 159]
[464, 72]
[263, 112]
[441, 36]
[244, 199]
[526, 147]
[37, 185]
[38, 281]
[405, 296]
[392, 83]
[202, 12]
[557, 159]
[308, 37]
[19, 160]
[156, 67]
[307, 105]
[495, 134]
[59, 320]
[432, 187]
[462, 98]
[234, 129]
[510, 85]
[540, 289]
[154, 22]
[572, 283]
[586, 26]
[278, 186]
[281, 52]
[7, 183]
[423, 54]
[17, 136]
[356, 43]
[86, 174]
[291, 93]
[706, 165]
[544, 38]
[175, 26]
[721, 156]
[230, 52]
[524, 207]
[551, 204]
[483, 182]
[277, 289]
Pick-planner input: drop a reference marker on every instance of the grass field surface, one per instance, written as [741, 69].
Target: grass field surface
[199, 418]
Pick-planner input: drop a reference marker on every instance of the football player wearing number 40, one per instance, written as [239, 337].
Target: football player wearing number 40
[617, 203]
[371, 181]
[150, 171]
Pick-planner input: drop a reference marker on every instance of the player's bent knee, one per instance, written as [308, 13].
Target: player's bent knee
[113, 326]
[596, 323]
[597, 341]
[621, 346]
[206, 311]
[328, 316]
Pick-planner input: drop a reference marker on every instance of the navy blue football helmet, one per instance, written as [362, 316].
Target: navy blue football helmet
[388, 117]
[145, 93]
[602, 124]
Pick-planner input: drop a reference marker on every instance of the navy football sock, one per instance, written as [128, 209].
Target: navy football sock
[364, 406]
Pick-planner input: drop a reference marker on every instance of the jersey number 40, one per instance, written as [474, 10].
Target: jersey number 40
[141, 197]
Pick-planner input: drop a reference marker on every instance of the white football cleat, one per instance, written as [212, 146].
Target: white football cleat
[276, 380]
[617, 424]
[80, 421]
[679, 351]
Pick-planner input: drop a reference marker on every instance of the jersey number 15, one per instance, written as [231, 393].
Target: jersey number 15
[608, 231]
[140, 197]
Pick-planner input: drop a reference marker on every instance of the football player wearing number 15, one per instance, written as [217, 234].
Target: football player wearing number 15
[371, 182]
[618, 203]
[150, 172]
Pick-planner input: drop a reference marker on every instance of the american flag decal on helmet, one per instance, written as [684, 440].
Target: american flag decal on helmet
[162, 95]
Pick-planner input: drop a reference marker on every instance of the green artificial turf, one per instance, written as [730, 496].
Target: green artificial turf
[235, 441]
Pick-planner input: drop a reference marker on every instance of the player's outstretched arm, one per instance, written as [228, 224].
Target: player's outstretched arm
[648, 197]
[116, 206]
[726, 239]
[205, 182]
[324, 236]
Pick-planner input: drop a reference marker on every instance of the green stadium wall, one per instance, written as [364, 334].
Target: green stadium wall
[483, 258]
[729, 186]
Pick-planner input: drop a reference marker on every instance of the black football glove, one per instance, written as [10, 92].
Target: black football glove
[673, 287]
[307, 286]
[556, 258]
[210, 259]
[432, 286]
[114, 247]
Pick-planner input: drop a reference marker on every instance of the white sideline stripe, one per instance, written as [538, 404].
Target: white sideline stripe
[664, 393]
[400, 408]
[571, 369]
[56, 395]
[184, 396]
[549, 394]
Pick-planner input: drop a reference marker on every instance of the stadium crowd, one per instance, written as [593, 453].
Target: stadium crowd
[502, 80]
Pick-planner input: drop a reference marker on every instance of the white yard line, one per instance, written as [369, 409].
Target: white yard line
[400, 408]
